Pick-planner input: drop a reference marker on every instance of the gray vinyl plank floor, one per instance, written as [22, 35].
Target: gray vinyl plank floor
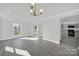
[35, 48]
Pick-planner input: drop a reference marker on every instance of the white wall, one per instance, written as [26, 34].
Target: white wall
[51, 29]
[0, 27]
[6, 28]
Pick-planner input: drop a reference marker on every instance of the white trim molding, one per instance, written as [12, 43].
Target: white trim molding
[64, 14]
[51, 41]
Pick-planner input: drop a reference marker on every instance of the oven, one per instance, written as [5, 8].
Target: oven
[71, 31]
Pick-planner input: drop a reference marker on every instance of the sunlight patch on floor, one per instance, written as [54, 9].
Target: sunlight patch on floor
[9, 49]
[17, 51]
[22, 52]
[28, 38]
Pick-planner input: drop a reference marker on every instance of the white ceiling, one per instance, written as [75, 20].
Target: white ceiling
[21, 11]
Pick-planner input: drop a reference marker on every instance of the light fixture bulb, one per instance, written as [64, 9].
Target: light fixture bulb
[41, 11]
[31, 11]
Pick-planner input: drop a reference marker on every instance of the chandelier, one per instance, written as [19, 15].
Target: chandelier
[33, 10]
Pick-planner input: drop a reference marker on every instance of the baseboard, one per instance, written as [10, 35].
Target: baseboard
[51, 41]
[11, 38]
[6, 39]
[22, 37]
